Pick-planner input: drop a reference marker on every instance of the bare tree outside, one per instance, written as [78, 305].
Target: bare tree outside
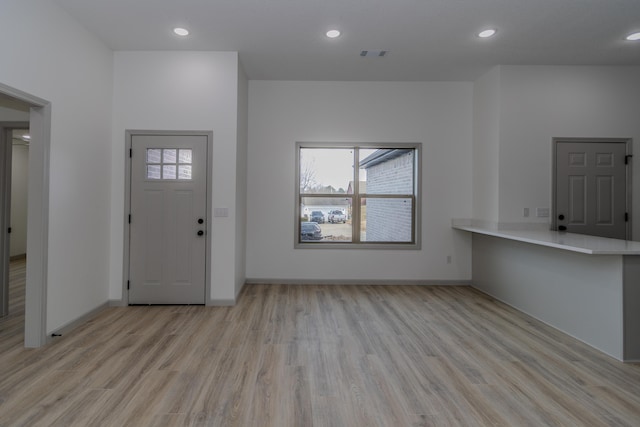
[307, 176]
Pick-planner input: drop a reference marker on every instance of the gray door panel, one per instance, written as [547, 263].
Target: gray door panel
[168, 198]
[591, 194]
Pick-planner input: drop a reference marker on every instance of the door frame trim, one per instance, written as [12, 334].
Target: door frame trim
[628, 173]
[35, 319]
[129, 134]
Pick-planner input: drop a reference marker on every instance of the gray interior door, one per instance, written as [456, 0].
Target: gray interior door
[168, 219]
[591, 188]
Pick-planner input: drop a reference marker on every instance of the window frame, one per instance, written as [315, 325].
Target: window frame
[356, 197]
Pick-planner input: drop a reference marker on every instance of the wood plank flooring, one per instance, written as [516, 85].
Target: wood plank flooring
[12, 326]
[317, 356]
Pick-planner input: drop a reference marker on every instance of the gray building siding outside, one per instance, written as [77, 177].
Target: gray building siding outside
[389, 220]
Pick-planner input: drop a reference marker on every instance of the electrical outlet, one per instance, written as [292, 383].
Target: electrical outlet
[449, 259]
[525, 212]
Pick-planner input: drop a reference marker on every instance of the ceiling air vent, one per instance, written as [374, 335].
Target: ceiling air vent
[373, 52]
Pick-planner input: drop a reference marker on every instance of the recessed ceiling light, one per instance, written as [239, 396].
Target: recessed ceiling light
[487, 33]
[332, 34]
[181, 31]
[633, 37]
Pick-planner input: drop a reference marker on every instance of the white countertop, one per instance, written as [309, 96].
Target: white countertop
[582, 243]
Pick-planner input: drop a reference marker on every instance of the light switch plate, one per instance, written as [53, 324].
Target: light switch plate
[542, 212]
[220, 212]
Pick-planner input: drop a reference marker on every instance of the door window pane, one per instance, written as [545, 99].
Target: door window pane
[153, 172]
[169, 155]
[169, 172]
[153, 155]
[184, 172]
[185, 156]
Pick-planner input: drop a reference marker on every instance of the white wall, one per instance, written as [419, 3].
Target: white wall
[19, 181]
[437, 114]
[538, 103]
[486, 146]
[181, 91]
[49, 55]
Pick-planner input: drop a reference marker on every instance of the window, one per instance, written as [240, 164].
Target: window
[357, 195]
[169, 164]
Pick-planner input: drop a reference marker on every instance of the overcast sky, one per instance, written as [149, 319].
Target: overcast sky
[332, 166]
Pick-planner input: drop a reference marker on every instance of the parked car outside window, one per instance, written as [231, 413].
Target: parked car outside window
[337, 216]
[310, 231]
[317, 216]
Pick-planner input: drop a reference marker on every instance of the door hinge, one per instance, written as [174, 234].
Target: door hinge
[626, 217]
[9, 230]
[130, 152]
[129, 218]
[626, 158]
[128, 285]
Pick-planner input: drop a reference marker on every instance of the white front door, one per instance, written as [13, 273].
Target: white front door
[591, 188]
[168, 222]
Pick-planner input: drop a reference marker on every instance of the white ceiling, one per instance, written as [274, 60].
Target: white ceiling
[426, 40]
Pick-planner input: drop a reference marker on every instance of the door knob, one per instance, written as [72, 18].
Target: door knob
[200, 233]
[560, 217]
[200, 220]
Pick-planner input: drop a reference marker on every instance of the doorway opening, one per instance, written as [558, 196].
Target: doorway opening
[38, 114]
[14, 146]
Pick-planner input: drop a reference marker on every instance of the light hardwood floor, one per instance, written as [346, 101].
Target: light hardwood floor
[316, 356]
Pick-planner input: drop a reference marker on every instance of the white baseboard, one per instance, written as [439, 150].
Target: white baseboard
[68, 327]
[221, 302]
[350, 282]
[239, 289]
